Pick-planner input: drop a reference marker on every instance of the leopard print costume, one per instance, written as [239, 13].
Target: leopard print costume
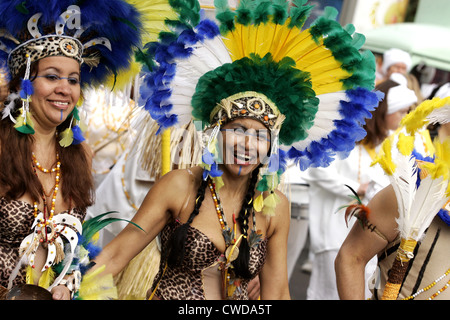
[186, 282]
[16, 219]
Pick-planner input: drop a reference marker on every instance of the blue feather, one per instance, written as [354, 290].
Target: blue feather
[26, 88]
[346, 132]
[77, 135]
[207, 157]
[207, 29]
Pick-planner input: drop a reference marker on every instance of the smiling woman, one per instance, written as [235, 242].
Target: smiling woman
[272, 89]
[45, 167]
[57, 90]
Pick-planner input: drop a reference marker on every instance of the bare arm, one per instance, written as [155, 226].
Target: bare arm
[273, 277]
[361, 245]
[162, 200]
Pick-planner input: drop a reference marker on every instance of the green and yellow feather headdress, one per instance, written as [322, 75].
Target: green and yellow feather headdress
[314, 84]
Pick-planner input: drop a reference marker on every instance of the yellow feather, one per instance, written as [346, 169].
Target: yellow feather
[153, 14]
[258, 203]
[96, 287]
[30, 275]
[123, 77]
[405, 144]
[416, 119]
[66, 138]
[270, 203]
[384, 158]
[47, 278]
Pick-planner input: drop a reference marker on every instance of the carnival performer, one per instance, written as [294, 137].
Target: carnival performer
[328, 191]
[53, 50]
[406, 224]
[258, 82]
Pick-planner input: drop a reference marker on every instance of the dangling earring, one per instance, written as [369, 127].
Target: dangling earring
[23, 121]
[209, 158]
[270, 180]
[72, 135]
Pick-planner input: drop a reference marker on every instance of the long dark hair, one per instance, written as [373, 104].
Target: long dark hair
[16, 174]
[177, 243]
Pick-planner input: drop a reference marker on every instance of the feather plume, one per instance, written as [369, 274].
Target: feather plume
[429, 199]
[47, 278]
[96, 287]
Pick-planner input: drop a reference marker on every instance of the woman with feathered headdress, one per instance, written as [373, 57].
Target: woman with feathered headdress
[262, 89]
[407, 224]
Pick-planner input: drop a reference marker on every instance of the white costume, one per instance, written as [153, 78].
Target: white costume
[327, 192]
[297, 192]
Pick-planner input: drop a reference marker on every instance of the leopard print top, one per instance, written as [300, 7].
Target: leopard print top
[16, 219]
[188, 281]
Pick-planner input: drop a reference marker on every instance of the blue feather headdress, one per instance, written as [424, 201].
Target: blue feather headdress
[314, 85]
[101, 35]
[105, 33]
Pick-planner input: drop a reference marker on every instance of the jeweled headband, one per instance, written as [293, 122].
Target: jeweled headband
[56, 44]
[249, 104]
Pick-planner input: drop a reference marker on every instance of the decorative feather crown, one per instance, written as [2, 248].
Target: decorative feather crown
[101, 35]
[315, 84]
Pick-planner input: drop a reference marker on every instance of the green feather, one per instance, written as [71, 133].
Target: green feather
[75, 113]
[280, 11]
[144, 58]
[188, 11]
[25, 128]
[299, 13]
[94, 225]
[262, 11]
[245, 12]
[224, 15]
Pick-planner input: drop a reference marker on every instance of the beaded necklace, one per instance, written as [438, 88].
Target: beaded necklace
[434, 295]
[47, 219]
[230, 282]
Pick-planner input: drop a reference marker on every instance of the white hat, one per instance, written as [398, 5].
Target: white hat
[400, 97]
[393, 56]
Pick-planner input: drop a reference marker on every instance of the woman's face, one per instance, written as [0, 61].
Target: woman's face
[393, 119]
[56, 90]
[246, 142]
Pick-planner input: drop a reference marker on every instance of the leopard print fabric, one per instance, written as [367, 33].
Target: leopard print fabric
[185, 282]
[51, 45]
[16, 219]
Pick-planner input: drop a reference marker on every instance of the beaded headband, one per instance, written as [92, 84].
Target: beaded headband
[249, 104]
[56, 44]
[100, 35]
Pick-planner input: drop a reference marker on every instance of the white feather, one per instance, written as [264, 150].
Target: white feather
[9, 106]
[429, 199]
[403, 181]
[440, 115]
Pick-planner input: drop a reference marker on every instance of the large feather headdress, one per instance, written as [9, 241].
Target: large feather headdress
[102, 36]
[421, 187]
[311, 87]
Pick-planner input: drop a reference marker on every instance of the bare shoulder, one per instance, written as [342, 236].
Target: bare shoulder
[182, 179]
[279, 222]
[176, 186]
[383, 212]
